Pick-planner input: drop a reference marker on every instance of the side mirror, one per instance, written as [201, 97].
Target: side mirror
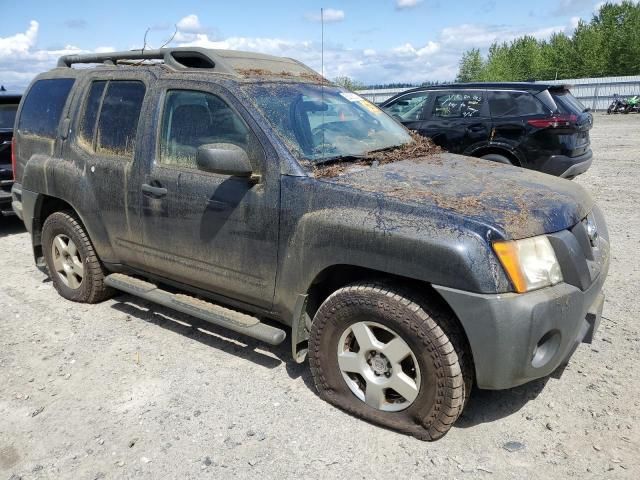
[225, 159]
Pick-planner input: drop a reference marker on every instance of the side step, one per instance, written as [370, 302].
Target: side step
[209, 312]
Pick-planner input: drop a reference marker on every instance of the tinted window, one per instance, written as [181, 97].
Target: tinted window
[43, 106]
[8, 115]
[91, 109]
[119, 116]
[515, 104]
[409, 107]
[191, 119]
[567, 103]
[458, 105]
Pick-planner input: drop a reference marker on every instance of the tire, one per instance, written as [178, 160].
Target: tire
[494, 157]
[73, 252]
[439, 368]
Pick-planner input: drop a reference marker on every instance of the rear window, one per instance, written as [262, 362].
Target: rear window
[43, 106]
[515, 104]
[8, 115]
[91, 109]
[118, 123]
[567, 103]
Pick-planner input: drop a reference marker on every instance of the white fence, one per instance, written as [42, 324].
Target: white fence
[595, 93]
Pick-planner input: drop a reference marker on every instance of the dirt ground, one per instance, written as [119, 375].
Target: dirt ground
[126, 389]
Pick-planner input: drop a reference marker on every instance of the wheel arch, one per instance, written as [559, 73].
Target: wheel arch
[497, 150]
[43, 207]
[335, 277]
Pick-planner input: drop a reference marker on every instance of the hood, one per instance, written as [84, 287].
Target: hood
[514, 202]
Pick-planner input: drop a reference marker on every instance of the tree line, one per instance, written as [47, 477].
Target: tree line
[608, 45]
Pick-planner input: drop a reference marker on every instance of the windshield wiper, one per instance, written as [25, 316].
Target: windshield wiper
[340, 158]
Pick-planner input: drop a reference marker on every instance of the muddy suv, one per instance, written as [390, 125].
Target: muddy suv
[246, 191]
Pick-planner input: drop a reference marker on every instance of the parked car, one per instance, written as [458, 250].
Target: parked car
[240, 188]
[8, 108]
[531, 125]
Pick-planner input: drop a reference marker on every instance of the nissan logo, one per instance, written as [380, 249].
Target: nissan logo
[592, 231]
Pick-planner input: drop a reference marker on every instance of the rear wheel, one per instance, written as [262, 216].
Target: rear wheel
[494, 157]
[383, 354]
[73, 265]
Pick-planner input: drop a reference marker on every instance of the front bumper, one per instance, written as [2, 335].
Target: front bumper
[567, 167]
[516, 338]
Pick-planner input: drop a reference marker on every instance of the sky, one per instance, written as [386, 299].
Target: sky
[375, 41]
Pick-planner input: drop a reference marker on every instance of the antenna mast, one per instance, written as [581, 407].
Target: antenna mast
[322, 69]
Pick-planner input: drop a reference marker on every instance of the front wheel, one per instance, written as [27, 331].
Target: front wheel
[73, 265]
[385, 355]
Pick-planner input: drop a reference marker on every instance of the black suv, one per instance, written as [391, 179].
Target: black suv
[8, 108]
[245, 190]
[532, 125]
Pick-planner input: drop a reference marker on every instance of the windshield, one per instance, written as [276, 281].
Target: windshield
[7, 115]
[323, 123]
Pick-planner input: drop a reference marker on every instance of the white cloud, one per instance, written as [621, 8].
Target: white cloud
[20, 61]
[190, 24]
[403, 4]
[409, 50]
[482, 36]
[330, 15]
[20, 43]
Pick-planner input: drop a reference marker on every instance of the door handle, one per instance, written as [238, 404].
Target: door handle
[154, 191]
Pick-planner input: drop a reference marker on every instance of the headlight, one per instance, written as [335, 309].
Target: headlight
[530, 263]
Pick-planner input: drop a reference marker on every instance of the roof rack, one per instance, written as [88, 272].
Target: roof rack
[232, 62]
[178, 58]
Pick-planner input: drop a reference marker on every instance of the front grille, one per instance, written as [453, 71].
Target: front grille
[593, 244]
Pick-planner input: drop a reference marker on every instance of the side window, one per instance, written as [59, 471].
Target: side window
[90, 117]
[118, 122]
[191, 119]
[458, 104]
[43, 106]
[409, 107]
[515, 104]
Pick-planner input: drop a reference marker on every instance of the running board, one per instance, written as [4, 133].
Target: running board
[207, 311]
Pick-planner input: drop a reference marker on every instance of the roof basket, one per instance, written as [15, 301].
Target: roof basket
[177, 58]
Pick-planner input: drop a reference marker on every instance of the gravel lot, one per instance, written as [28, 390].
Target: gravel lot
[129, 389]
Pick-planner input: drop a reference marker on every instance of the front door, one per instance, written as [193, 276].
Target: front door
[458, 120]
[211, 231]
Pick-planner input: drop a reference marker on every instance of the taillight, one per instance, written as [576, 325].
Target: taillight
[13, 156]
[557, 121]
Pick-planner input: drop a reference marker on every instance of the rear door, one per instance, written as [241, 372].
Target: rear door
[457, 120]
[511, 114]
[106, 134]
